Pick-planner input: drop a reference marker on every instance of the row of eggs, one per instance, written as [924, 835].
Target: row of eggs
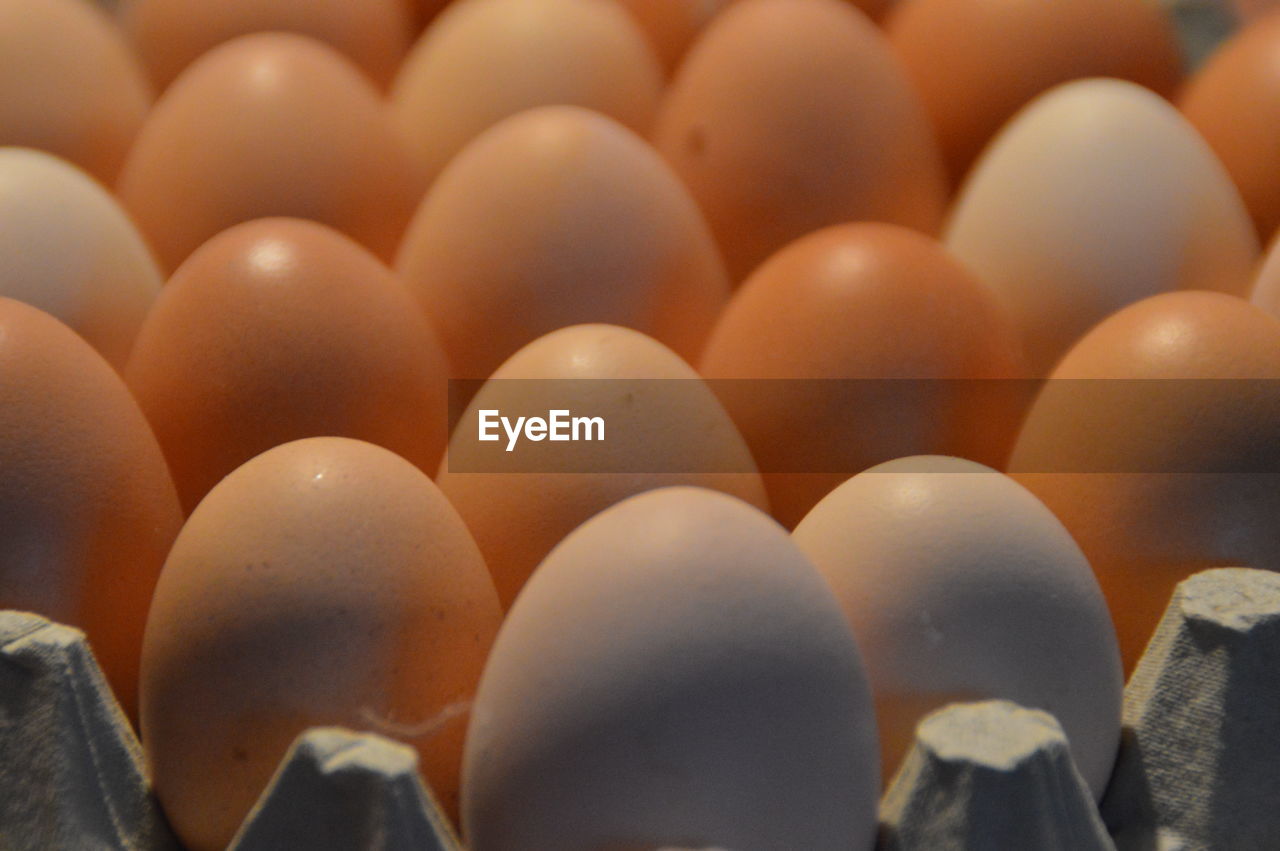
[675, 669]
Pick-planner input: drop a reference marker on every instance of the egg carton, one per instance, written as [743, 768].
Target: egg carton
[1198, 768]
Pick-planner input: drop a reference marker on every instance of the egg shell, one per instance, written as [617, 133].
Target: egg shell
[976, 62]
[280, 329]
[1265, 291]
[483, 60]
[518, 512]
[789, 115]
[672, 25]
[70, 249]
[272, 124]
[592, 225]
[169, 35]
[866, 304]
[1173, 470]
[675, 673]
[959, 584]
[87, 508]
[1096, 195]
[69, 84]
[327, 582]
[1234, 101]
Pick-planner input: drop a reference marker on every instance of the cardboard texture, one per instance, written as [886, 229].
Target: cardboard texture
[990, 775]
[71, 770]
[341, 790]
[1198, 768]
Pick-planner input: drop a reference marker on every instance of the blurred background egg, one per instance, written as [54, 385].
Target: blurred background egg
[663, 426]
[672, 25]
[69, 84]
[169, 35]
[280, 329]
[976, 62]
[268, 125]
[675, 673]
[1234, 101]
[555, 217]
[68, 248]
[960, 585]
[483, 60]
[1098, 194]
[911, 337]
[325, 582]
[87, 509]
[789, 115]
[1171, 465]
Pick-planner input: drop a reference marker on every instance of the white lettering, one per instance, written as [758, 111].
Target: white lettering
[558, 426]
[587, 423]
[488, 422]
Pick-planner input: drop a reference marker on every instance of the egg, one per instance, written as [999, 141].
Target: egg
[960, 585]
[169, 35]
[280, 329]
[976, 62]
[675, 673]
[483, 60]
[912, 339]
[87, 508]
[1234, 101]
[69, 84]
[1169, 466]
[661, 426]
[325, 582]
[555, 217]
[789, 115]
[271, 124]
[672, 25]
[68, 248]
[1097, 195]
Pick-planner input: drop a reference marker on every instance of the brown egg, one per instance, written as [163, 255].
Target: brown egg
[268, 125]
[672, 25]
[280, 329]
[789, 115]
[68, 84]
[555, 217]
[1234, 101]
[661, 426]
[976, 62]
[1173, 469]
[325, 582]
[486, 59]
[87, 509]
[866, 301]
[170, 34]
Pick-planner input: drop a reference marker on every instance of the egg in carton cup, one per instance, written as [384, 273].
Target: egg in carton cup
[1196, 769]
